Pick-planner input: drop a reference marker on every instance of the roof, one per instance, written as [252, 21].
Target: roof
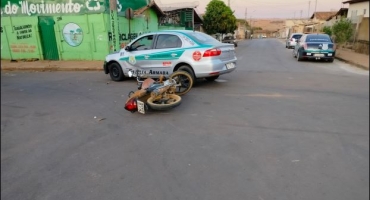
[341, 12]
[153, 5]
[354, 1]
[323, 15]
[197, 18]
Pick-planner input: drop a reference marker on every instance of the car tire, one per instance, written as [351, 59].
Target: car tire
[188, 70]
[212, 78]
[115, 72]
[331, 60]
[299, 56]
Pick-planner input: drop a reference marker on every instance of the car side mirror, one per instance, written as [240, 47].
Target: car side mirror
[128, 48]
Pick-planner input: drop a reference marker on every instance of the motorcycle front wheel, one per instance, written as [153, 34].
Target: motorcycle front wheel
[164, 104]
[184, 79]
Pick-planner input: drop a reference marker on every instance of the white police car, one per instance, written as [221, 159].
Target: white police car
[163, 52]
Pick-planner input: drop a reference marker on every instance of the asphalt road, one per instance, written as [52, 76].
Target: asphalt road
[275, 129]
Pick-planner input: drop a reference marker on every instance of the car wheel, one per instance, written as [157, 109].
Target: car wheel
[330, 60]
[212, 78]
[115, 72]
[235, 45]
[299, 56]
[188, 70]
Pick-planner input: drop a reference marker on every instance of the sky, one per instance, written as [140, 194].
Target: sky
[261, 9]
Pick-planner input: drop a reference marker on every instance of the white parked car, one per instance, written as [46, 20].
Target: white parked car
[292, 40]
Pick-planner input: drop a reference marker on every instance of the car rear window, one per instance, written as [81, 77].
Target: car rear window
[296, 36]
[318, 38]
[202, 38]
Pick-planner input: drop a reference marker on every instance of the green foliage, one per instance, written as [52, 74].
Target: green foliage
[327, 30]
[219, 18]
[242, 21]
[342, 31]
[257, 28]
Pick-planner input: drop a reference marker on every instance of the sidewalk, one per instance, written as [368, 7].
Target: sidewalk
[351, 57]
[46, 65]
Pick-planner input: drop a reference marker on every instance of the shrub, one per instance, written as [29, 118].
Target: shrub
[342, 31]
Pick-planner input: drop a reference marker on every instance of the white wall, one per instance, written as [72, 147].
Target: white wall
[359, 7]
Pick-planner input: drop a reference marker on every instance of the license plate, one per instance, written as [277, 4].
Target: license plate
[319, 55]
[230, 65]
[140, 107]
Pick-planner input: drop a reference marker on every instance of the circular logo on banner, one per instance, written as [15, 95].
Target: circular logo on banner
[73, 34]
[197, 55]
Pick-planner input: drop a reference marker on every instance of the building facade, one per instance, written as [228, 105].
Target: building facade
[72, 29]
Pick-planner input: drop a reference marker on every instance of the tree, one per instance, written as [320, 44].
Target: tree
[219, 18]
[342, 31]
[243, 22]
[327, 30]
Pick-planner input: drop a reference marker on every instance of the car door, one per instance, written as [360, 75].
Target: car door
[166, 52]
[137, 54]
[298, 45]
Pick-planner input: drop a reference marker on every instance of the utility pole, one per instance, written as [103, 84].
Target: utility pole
[228, 3]
[114, 24]
[245, 26]
[245, 16]
[314, 28]
[301, 14]
[308, 14]
[294, 15]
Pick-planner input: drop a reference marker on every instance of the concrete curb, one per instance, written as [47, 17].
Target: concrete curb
[7, 65]
[352, 63]
[48, 69]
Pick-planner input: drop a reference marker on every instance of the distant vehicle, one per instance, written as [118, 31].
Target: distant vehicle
[164, 52]
[291, 41]
[263, 36]
[314, 46]
[230, 40]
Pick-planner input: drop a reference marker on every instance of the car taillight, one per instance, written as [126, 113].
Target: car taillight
[131, 105]
[212, 52]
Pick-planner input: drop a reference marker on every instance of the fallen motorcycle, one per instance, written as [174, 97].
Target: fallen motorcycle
[161, 94]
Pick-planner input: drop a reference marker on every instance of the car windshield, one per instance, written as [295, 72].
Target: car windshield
[296, 36]
[202, 38]
[318, 38]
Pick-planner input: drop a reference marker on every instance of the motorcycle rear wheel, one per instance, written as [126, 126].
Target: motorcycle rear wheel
[185, 79]
[173, 101]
